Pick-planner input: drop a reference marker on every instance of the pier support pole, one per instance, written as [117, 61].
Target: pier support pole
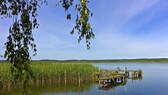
[112, 81]
[125, 71]
[79, 78]
[65, 77]
[115, 80]
[121, 79]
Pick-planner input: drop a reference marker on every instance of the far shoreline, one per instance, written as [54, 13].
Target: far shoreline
[140, 60]
[143, 60]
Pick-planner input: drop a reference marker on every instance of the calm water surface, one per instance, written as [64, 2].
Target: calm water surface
[154, 82]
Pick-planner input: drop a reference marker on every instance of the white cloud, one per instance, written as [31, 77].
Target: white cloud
[128, 10]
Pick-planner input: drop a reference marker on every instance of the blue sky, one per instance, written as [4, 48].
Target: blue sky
[123, 29]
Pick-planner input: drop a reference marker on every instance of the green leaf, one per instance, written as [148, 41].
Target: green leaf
[69, 16]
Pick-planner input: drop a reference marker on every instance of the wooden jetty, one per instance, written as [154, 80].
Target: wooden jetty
[117, 76]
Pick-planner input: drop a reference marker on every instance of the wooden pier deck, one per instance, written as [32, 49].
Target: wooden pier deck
[117, 76]
[111, 77]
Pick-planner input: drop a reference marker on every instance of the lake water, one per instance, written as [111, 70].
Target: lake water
[154, 82]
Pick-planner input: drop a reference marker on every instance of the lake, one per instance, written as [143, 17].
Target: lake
[154, 82]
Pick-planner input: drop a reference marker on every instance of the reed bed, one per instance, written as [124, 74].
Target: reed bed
[52, 71]
[58, 71]
[5, 75]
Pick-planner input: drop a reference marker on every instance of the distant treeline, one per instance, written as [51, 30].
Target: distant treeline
[161, 60]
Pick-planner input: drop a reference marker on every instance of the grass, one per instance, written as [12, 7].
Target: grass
[58, 71]
[52, 71]
[5, 75]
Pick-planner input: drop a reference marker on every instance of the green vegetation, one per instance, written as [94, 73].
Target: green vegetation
[143, 60]
[24, 17]
[60, 71]
[51, 72]
[5, 75]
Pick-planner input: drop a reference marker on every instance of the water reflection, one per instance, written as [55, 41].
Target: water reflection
[42, 89]
[113, 85]
[62, 88]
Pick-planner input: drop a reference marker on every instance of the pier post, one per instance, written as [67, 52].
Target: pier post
[128, 74]
[121, 79]
[115, 80]
[140, 72]
[99, 83]
[125, 70]
[112, 81]
[65, 77]
[108, 80]
[79, 78]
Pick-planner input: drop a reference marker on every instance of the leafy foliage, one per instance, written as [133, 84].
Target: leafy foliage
[20, 40]
[82, 26]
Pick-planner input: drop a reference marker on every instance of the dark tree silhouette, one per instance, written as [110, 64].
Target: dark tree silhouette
[24, 15]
